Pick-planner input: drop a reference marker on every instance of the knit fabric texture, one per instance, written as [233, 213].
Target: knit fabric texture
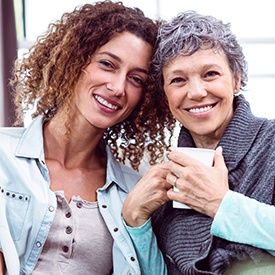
[184, 235]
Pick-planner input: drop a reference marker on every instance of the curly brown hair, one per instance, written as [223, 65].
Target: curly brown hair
[45, 78]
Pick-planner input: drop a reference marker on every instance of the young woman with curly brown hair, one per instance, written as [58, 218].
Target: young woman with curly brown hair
[62, 181]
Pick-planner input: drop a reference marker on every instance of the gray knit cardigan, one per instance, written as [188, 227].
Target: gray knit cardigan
[184, 235]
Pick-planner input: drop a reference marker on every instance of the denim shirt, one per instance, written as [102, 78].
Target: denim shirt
[27, 205]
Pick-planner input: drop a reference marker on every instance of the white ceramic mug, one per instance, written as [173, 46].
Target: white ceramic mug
[205, 156]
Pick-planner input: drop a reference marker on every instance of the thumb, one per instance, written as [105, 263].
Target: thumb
[218, 158]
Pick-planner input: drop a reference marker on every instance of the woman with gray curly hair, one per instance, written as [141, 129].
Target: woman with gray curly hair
[199, 69]
[62, 182]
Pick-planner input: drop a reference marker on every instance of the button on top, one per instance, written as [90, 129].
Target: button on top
[79, 204]
[65, 248]
[60, 199]
[68, 215]
[69, 230]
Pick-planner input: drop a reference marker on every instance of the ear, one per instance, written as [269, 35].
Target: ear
[237, 84]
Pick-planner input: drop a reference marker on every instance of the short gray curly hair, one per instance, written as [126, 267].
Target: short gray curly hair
[190, 31]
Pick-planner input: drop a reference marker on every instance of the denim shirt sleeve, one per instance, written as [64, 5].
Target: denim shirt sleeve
[145, 242]
[245, 220]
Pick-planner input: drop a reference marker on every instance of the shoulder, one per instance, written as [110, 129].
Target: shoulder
[10, 136]
[11, 132]
[267, 130]
[25, 141]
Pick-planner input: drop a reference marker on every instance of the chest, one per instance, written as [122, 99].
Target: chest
[78, 240]
[77, 181]
[253, 176]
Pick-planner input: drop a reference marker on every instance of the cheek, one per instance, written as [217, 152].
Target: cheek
[134, 99]
[174, 99]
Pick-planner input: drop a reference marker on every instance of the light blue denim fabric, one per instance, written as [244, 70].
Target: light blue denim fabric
[27, 205]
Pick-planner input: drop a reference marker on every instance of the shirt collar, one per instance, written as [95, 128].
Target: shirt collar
[31, 142]
[115, 173]
[31, 146]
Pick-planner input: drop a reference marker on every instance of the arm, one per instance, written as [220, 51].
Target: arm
[245, 220]
[145, 198]
[2, 264]
[150, 257]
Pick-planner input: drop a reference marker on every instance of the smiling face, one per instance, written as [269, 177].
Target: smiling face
[111, 86]
[200, 90]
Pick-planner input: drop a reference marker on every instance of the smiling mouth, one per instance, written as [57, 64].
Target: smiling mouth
[105, 103]
[201, 110]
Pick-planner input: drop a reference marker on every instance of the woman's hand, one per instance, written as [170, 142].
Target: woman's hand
[147, 196]
[200, 187]
[2, 264]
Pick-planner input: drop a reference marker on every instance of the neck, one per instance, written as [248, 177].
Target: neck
[76, 148]
[206, 142]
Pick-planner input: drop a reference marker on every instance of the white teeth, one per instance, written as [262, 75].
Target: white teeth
[200, 110]
[105, 103]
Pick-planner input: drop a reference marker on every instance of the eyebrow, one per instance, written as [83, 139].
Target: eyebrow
[172, 73]
[177, 71]
[120, 61]
[204, 67]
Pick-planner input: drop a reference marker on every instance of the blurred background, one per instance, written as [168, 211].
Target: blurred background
[22, 21]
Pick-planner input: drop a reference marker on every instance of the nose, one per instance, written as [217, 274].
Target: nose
[196, 89]
[117, 84]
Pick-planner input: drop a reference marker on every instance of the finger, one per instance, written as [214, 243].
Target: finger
[181, 158]
[172, 179]
[163, 167]
[218, 158]
[182, 197]
[157, 170]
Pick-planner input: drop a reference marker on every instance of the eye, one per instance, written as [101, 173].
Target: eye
[106, 64]
[211, 74]
[137, 81]
[177, 80]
